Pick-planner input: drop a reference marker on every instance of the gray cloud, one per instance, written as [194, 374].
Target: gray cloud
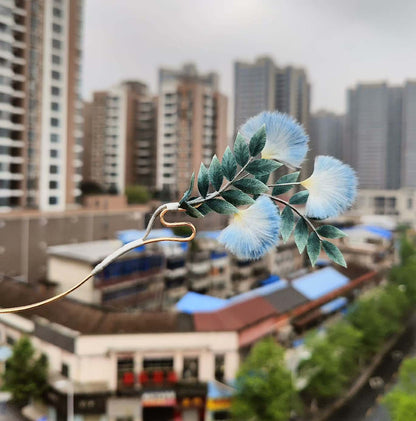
[340, 42]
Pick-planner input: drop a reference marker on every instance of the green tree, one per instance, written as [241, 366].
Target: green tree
[401, 401]
[347, 343]
[137, 194]
[265, 391]
[323, 369]
[25, 375]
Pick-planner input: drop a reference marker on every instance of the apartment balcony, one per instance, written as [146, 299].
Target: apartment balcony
[11, 193]
[199, 268]
[130, 383]
[200, 284]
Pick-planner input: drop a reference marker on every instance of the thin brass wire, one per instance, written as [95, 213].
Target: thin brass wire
[79, 284]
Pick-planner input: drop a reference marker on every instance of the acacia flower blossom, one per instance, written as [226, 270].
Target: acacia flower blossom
[332, 188]
[253, 231]
[286, 141]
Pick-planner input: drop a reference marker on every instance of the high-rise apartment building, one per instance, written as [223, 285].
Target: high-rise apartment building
[262, 85]
[373, 140]
[408, 153]
[120, 137]
[326, 131]
[192, 125]
[40, 118]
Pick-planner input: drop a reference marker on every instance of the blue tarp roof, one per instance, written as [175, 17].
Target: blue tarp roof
[209, 234]
[316, 284]
[270, 280]
[334, 305]
[193, 302]
[217, 390]
[374, 229]
[258, 292]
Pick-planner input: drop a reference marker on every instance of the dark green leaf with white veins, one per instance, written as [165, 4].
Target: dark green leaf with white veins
[288, 178]
[299, 198]
[204, 209]
[301, 234]
[229, 164]
[334, 253]
[189, 191]
[330, 231]
[241, 152]
[237, 197]
[191, 211]
[251, 186]
[287, 223]
[215, 173]
[313, 247]
[203, 180]
[221, 206]
[261, 167]
[258, 141]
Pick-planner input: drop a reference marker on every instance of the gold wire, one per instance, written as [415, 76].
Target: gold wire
[79, 284]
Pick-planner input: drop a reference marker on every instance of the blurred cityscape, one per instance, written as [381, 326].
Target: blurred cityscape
[161, 334]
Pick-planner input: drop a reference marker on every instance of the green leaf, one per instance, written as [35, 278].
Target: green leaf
[288, 178]
[313, 247]
[334, 253]
[258, 141]
[203, 180]
[215, 173]
[261, 167]
[237, 197]
[221, 206]
[191, 211]
[229, 164]
[204, 209]
[301, 234]
[241, 152]
[287, 223]
[251, 186]
[189, 191]
[330, 231]
[299, 197]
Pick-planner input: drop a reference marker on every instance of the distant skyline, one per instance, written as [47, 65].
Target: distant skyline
[338, 43]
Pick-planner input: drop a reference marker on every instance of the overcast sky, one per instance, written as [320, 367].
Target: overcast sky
[339, 42]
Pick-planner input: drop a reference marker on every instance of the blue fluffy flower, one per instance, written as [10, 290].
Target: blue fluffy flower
[286, 141]
[253, 231]
[332, 188]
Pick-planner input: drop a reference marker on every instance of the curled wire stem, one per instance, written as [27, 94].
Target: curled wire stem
[132, 245]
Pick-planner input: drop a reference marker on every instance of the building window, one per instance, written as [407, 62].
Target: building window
[65, 370]
[56, 75]
[158, 363]
[53, 169]
[54, 122]
[56, 43]
[125, 371]
[53, 200]
[55, 106]
[409, 203]
[55, 90]
[53, 153]
[57, 12]
[219, 368]
[53, 185]
[56, 28]
[56, 59]
[10, 340]
[190, 368]
[54, 138]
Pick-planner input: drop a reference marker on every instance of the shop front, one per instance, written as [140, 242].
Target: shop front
[219, 401]
[159, 405]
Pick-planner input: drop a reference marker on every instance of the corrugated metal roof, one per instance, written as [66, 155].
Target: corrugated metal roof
[192, 302]
[316, 284]
[286, 299]
[235, 317]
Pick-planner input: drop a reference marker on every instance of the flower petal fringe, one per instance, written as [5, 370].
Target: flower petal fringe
[253, 231]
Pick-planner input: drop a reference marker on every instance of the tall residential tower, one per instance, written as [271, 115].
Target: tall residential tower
[120, 137]
[40, 120]
[192, 125]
